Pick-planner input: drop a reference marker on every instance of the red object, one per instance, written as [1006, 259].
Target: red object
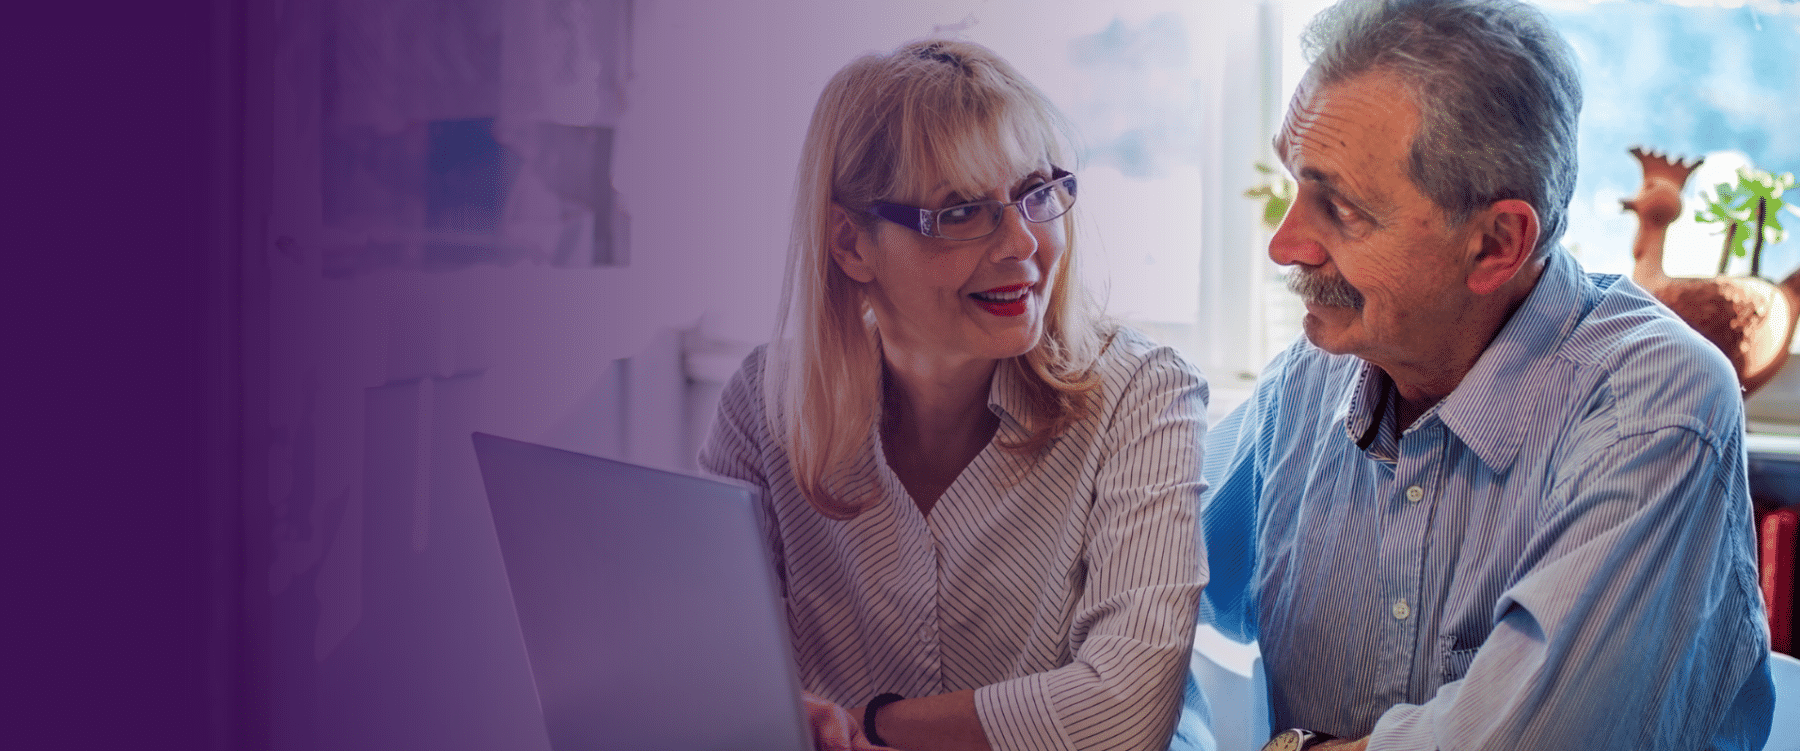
[1006, 308]
[1777, 531]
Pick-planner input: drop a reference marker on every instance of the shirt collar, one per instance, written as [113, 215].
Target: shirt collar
[1490, 409]
[1362, 413]
[1007, 399]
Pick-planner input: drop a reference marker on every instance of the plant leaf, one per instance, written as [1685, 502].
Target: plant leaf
[1274, 210]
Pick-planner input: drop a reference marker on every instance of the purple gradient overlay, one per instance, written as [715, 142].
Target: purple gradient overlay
[272, 261]
[120, 548]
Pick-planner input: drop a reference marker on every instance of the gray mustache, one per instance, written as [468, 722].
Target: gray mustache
[1320, 288]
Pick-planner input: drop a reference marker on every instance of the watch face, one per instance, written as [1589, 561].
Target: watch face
[1286, 740]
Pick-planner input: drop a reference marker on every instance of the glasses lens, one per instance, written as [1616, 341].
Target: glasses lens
[975, 220]
[1050, 201]
[968, 221]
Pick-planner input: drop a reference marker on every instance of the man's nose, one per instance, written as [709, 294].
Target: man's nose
[1294, 242]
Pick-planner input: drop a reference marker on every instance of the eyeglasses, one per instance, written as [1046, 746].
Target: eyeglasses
[971, 221]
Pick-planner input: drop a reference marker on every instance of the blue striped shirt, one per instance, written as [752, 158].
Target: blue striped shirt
[1557, 555]
[1062, 589]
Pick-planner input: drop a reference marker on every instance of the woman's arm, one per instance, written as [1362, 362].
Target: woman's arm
[946, 722]
[1133, 623]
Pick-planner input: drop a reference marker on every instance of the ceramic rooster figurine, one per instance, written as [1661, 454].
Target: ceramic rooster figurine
[1750, 318]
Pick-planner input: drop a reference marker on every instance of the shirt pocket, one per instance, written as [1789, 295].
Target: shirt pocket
[1453, 663]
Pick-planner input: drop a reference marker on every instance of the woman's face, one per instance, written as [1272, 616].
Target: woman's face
[958, 300]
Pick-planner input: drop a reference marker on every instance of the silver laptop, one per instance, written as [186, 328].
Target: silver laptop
[649, 606]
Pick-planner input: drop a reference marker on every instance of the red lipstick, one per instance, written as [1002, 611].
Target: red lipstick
[1006, 302]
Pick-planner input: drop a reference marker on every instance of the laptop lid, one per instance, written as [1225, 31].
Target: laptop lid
[649, 606]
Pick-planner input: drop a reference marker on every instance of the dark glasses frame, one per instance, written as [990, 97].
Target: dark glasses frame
[930, 223]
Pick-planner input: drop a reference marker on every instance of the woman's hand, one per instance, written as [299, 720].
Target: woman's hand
[835, 728]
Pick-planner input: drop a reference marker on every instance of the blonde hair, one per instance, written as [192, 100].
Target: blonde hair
[931, 110]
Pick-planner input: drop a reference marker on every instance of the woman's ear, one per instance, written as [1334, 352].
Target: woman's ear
[848, 247]
[1507, 235]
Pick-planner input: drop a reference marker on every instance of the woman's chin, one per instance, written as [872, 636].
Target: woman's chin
[1007, 344]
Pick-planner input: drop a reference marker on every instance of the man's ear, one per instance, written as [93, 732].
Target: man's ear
[1505, 239]
[847, 247]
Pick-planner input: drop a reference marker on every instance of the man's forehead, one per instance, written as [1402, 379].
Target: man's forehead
[1299, 100]
[1300, 110]
[1353, 124]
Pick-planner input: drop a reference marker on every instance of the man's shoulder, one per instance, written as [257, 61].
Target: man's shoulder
[1299, 395]
[1303, 370]
[1646, 362]
[1626, 322]
[1630, 334]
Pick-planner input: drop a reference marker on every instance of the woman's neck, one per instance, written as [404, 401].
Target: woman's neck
[935, 420]
[935, 397]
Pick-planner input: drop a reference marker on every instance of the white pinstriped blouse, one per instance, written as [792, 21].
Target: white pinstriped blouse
[1063, 591]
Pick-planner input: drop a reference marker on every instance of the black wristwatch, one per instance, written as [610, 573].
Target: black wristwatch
[1296, 739]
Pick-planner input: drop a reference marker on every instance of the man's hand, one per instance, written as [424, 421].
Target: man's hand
[1345, 745]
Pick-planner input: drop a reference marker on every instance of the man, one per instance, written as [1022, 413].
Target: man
[1490, 501]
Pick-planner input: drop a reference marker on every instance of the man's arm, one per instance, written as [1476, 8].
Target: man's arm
[1228, 509]
[1634, 622]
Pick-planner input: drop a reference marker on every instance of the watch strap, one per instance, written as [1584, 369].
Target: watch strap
[869, 711]
[1296, 739]
[1314, 738]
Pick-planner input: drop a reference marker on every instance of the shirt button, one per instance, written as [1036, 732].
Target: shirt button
[1402, 611]
[1415, 494]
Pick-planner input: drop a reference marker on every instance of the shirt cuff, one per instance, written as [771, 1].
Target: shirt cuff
[1016, 714]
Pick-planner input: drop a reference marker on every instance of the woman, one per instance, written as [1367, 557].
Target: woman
[980, 497]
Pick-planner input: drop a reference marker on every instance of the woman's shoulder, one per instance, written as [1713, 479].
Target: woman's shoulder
[739, 436]
[743, 391]
[1137, 371]
[1144, 383]
[749, 373]
[1129, 354]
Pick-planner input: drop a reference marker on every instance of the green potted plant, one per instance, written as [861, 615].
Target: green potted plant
[1747, 210]
[1751, 319]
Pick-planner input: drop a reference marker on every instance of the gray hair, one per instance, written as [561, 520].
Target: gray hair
[1497, 91]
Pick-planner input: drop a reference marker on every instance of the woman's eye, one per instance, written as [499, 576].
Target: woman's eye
[959, 214]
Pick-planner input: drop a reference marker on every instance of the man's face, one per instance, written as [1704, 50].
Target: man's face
[1382, 275]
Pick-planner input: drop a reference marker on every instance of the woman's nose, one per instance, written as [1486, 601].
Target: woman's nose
[1014, 238]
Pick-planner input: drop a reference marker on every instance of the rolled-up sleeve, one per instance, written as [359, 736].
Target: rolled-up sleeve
[1632, 622]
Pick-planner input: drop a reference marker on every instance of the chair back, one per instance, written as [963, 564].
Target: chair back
[1784, 733]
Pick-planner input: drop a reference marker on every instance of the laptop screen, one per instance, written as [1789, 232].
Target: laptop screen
[649, 607]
